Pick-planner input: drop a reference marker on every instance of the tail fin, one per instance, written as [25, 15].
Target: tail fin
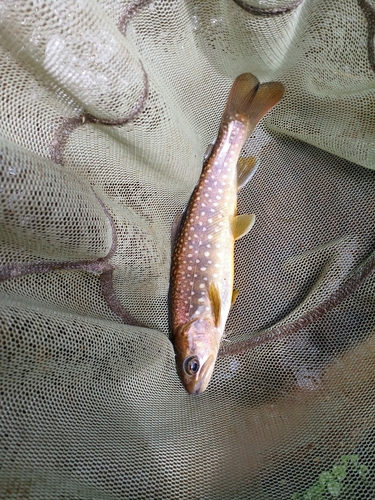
[249, 100]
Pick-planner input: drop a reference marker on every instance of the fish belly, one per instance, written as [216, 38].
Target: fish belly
[205, 248]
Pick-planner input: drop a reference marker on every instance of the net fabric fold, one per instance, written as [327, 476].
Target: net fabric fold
[107, 109]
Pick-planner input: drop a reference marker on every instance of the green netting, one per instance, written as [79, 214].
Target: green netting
[106, 110]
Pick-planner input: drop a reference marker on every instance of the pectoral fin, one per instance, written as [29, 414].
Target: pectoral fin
[241, 225]
[214, 296]
[235, 294]
[246, 168]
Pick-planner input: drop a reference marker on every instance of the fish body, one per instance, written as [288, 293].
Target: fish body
[202, 272]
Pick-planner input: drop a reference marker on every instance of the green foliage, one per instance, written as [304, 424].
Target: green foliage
[330, 484]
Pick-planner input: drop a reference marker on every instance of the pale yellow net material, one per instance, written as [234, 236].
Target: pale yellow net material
[107, 108]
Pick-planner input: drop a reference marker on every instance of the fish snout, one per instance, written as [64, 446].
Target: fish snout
[196, 376]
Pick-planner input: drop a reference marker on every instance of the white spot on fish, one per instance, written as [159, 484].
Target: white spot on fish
[210, 236]
[202, 285]
[215, 275]
[203, 268]
[206, 254]
[190, 268]
[197, 261]
[203, 213]
[189, 255]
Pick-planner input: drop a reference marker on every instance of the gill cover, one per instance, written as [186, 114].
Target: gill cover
[196, 348]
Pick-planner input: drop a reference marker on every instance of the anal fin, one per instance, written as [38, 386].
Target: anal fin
[246, 168]
[235, 294]
[241, 225]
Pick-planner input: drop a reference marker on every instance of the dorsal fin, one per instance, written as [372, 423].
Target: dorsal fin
[246, 168]
[241, 225]
[215, 300]
[208, 152]
[249, 101]
[176, 224]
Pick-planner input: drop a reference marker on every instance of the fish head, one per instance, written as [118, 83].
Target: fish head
[196, 346]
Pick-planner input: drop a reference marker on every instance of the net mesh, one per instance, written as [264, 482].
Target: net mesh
[107, 108]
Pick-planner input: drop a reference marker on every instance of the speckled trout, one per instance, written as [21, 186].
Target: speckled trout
[202, 272]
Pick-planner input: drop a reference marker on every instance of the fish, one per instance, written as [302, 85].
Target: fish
[202, 265]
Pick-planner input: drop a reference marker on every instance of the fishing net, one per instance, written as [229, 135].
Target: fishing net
[107, 108]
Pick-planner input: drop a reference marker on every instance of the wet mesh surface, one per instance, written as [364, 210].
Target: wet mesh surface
[106, 112]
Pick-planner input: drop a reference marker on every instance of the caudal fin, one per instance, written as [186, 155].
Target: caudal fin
[249, 100]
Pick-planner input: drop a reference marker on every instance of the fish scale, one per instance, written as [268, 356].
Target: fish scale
[206, 237]
[202, 271]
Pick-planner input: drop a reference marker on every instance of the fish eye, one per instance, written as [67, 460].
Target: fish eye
[191, 365]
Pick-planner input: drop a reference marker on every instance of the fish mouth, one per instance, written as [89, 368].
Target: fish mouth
[198, 384]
